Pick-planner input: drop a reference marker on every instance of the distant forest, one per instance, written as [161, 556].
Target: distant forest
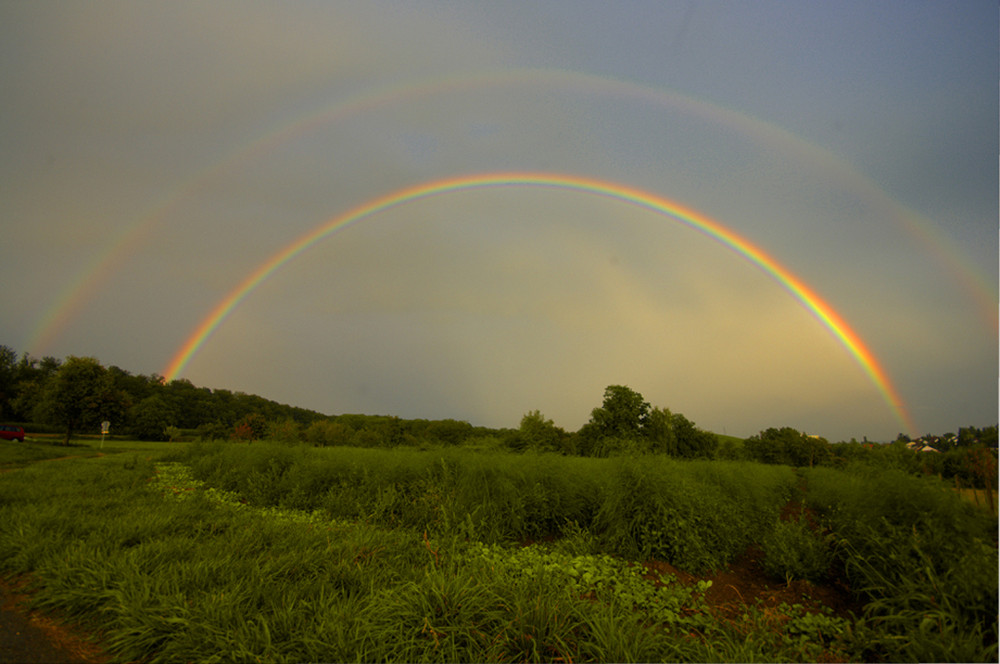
[73, 396]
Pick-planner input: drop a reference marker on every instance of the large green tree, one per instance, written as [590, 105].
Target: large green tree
[692, 442]
[622, 415]
[31, 377]
[149, 419]
[81, 394]
[538, 434]
[659, 431]
[627, 424]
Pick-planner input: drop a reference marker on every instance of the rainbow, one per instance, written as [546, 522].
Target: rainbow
[73, 298]
[812, 302]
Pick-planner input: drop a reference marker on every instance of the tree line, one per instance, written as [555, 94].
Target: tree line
[75, 395]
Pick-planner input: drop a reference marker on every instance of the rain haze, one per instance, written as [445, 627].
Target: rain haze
[156, 156]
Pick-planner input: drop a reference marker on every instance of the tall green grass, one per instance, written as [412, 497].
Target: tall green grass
[167, 570]
[492, 497]
[190, 581]
[697, 515]
[17, 455]
[277, 553]
[924, 561]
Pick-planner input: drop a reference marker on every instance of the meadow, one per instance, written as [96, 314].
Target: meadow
[271, 552]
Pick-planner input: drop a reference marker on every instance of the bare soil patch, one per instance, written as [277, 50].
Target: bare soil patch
[28, 636]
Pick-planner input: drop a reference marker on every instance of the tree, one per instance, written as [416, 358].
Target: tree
[81, 394]
[789, 446]
[8, 380]
[285, 431]
[329, 432]
[767, 446]
[622, 415]
[692, 442]
[31, 376]
[538, 434]
[449, 432]
[252, 427]
[816, 450]
[149, 419]
[659, 431]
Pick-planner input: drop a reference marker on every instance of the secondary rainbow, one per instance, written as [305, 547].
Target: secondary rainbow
[643, 199]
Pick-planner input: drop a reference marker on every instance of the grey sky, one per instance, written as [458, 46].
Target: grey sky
[152, 155]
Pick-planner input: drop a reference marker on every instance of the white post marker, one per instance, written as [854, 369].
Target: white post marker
[105, 426]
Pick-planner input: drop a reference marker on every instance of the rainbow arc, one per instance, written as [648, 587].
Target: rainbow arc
[808, 298]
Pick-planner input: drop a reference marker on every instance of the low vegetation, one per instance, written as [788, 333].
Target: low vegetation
[221, 552]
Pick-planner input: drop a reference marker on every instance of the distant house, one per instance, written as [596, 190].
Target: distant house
[921, 445]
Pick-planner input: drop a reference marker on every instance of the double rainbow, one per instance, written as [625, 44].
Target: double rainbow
[643, 199]
[71, 301]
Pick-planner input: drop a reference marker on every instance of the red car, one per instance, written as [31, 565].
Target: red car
[9, 432]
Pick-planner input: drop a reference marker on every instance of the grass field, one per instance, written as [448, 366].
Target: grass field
[230, 553]
[17, 455]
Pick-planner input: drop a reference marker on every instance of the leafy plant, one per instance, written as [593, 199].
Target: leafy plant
[660, 601]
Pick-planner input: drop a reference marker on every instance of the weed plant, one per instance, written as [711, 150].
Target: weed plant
[603, 578]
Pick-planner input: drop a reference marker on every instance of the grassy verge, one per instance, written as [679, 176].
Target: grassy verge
[17, 455]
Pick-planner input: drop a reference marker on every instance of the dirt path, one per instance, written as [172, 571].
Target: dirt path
[744, 582]
[30, 637]
[19, 466]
